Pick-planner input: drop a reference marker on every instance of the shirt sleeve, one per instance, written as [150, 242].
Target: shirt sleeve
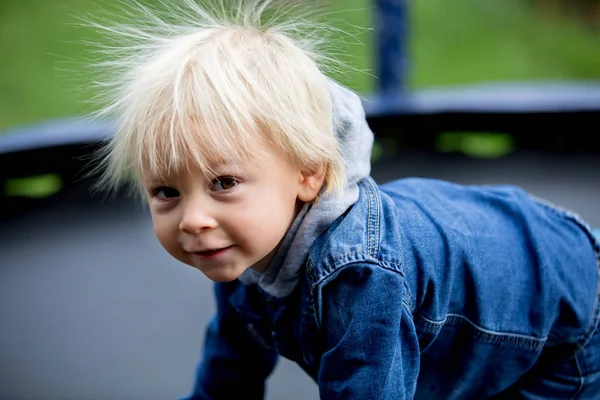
[233, 361]
[371, 346]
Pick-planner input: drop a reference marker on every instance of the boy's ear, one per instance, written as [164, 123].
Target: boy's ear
[311, 184]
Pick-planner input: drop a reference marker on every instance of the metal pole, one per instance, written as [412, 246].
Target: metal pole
[392, 28]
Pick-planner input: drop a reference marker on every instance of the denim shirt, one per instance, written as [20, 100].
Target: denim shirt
[422, 289]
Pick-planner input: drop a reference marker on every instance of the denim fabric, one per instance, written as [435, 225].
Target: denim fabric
[427, 290]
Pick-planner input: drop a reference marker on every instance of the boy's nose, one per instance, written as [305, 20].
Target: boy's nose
[196, 219]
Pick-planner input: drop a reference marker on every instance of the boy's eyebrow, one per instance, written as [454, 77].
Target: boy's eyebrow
[218, 163]
[153, 182]
[223, 163]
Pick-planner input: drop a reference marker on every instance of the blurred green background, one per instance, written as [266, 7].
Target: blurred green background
[452, 42]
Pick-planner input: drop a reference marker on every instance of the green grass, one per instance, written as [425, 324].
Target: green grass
[452, 42]
[463, 41]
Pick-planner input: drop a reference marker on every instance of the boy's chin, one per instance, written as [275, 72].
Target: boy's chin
[221, 275]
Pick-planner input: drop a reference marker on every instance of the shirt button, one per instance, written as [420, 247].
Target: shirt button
[271, 304]
[252, 330]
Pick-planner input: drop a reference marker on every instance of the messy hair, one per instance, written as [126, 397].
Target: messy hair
[209, 80]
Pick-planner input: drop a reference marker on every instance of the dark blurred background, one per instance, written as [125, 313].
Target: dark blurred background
[91, 307]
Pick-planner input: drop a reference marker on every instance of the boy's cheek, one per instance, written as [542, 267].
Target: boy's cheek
[164, 232]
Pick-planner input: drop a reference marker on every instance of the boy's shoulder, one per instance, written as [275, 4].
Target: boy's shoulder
[370, 231]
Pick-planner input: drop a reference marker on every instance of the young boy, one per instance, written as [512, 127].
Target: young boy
[256, 170]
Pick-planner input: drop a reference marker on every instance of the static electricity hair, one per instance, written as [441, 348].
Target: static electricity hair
[217, 81]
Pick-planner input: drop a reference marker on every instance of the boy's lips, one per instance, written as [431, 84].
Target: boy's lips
[211, 253]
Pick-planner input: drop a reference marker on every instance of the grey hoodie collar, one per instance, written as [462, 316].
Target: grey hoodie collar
[351, 127]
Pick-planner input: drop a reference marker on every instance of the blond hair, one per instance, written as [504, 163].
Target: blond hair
[216, 84]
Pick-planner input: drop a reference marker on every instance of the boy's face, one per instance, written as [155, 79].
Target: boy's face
[234, 222]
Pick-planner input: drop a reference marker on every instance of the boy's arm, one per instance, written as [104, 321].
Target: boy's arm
[233, 363]
[371, 346]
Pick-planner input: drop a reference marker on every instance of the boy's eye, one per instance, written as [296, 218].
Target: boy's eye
[224, 183]
[165, 192]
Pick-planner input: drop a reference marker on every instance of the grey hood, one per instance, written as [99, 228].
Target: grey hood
[351, 127]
